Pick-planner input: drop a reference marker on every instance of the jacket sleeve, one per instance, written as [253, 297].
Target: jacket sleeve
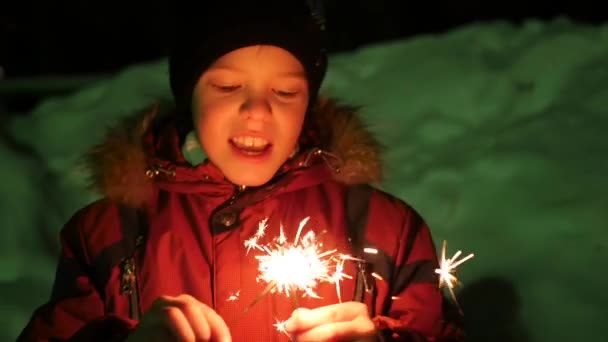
[75, 310]
[415, 312]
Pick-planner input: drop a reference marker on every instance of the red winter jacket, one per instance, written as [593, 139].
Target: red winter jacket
[197, 223]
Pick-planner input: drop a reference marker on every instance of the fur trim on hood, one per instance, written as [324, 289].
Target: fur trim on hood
[120, 166]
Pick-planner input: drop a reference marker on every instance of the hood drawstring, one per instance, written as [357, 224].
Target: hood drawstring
[331, 160]
[156, 170]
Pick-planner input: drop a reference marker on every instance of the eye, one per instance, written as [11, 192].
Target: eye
[285, 93]
[226, 88]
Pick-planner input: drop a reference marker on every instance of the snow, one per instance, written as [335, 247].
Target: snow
[495, 133]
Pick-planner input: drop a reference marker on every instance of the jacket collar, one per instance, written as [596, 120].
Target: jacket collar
[143, 154]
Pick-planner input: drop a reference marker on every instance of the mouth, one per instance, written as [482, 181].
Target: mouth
[251, 146]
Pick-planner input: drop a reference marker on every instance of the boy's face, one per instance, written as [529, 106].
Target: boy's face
[248, 109]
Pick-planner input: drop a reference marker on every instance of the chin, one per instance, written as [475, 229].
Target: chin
[251, 174]
[250, 180]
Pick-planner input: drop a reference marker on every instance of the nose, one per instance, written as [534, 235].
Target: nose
[256, 107]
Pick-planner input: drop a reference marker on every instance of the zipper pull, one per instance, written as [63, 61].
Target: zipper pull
[239, 189]
[128, 285]
[368, 282]
[127, 278]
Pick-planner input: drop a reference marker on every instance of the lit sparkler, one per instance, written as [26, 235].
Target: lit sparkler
[299, 266]
[446, 270]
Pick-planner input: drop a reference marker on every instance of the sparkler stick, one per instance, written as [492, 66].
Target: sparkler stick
[261, 295]
[294, 300]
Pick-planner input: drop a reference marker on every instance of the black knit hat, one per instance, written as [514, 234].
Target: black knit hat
[206, 30]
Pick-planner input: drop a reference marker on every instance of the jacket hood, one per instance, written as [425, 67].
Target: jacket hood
[124, 166]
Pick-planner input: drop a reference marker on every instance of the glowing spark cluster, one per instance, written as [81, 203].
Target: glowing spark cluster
[298, 266]
[447, 268]
[287, 267]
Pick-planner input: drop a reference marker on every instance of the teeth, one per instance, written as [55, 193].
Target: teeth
[251, 142]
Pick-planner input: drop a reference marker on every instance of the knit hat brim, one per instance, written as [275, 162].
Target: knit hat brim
[203, 37]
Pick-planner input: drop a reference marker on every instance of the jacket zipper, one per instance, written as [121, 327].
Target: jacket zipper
[238, 191]
[128, 285]
[128, 281]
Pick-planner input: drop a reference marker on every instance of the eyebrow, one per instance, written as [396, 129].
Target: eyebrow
[225, 67]
[299, 74]
[296, 74]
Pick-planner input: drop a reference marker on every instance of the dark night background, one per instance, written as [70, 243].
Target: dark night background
[69, 37]
[74, 37]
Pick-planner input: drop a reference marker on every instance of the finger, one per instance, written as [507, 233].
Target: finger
[178, 324]
[218, 328]
[194, 312]
[358, 328]
[205, 322]
[161, 302]
[304, 319]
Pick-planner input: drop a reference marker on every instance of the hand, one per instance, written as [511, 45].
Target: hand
[345, 321]
[181, 318]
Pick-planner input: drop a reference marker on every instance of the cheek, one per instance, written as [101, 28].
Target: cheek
[293, 125]
[205, 126]
[205, 114]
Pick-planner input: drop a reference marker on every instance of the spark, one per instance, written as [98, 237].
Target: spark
[377, 276]
[290, 268]
[261, 229]
[281, 326]
[370, 250]
[252, 242]
[233, 297]
[447, 268]
[282, 238]
[339, 275]
[300, 227]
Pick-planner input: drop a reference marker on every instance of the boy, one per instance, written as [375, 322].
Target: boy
[245, 77]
